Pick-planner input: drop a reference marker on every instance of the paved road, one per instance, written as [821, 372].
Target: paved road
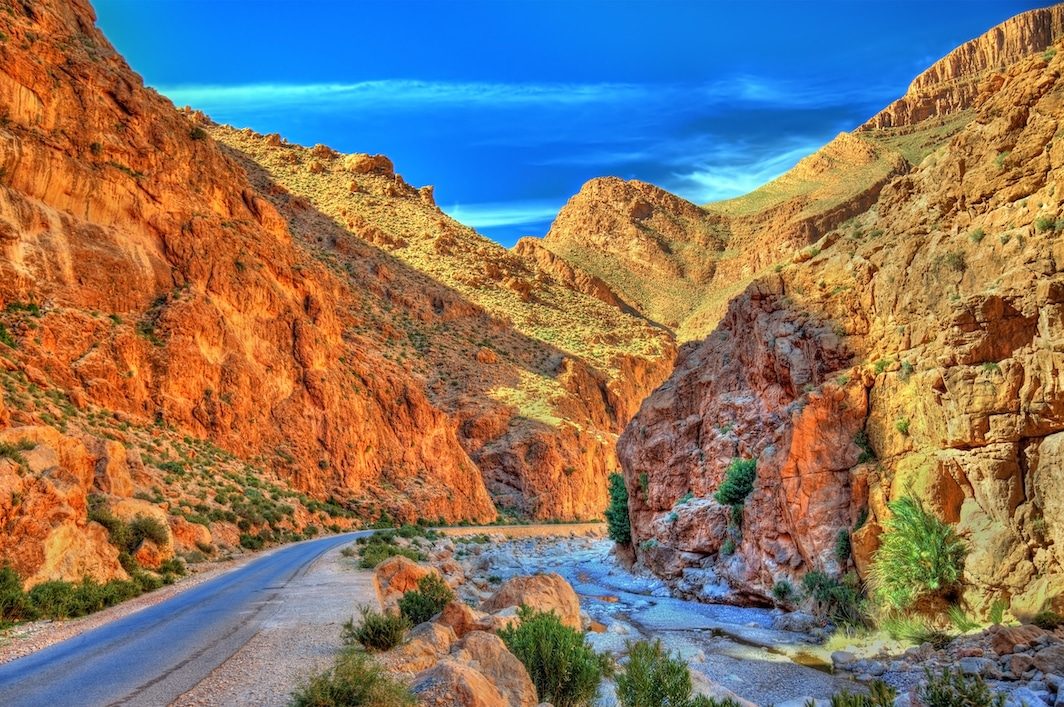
[156, 654]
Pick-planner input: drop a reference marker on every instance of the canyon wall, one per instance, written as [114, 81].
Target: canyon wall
[914, 349]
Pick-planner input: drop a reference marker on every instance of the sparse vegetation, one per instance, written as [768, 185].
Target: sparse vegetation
[376, 631]
[902, 426]
[880, 694]
[738, 482]
[421, 604]
[356, 680]
[867, 453]
[955, 689]
[564, 668]
[6, 338]
[14, 450]
[1049, 620]
[977, 235]
[653, 678]
[618, 524]
[839, 601]
[920, 559]
[914, 629]
[842, 546]
[783, 591]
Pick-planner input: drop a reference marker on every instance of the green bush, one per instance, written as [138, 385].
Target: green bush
[421, 604]
[14, 604]
[1049, 620]
[377, 631]
[880, 694]
[955, 689]
[915, 630]
[653, 678]
[738, 482]
[563, 667]
[783, 591]
[356, 680]
[376, 553]
[920, 558]
[617, 522]
[839, 601]
[843, 548]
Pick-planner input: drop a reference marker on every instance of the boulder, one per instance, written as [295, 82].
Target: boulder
[488, 654]
[462, 618]
[1004, 639]
[542, 592]
[369, 164]
[428, 643]
[189, 536]
[453, 684]
[1050, 659]
[396, 576]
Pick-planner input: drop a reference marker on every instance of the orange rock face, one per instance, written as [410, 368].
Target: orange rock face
[912, 351]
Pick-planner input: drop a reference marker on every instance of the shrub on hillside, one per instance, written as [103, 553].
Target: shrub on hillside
[563, 667]
[376, 553]
[653, 678]
[920, 558]
[421, 604]
[355, 681]
[955, 689]
[377, 631]
[617, 522]
[1048, 620]
[738, 482]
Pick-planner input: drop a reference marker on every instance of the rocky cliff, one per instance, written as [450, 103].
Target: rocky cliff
[915, 348]
[952, 83]
[182, 336]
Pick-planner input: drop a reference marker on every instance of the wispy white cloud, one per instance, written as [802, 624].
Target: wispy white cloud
[735, 169]
[400, 92]
[392, 93]
[503, 213]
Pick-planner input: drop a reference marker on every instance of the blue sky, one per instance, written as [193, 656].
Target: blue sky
[508, 107]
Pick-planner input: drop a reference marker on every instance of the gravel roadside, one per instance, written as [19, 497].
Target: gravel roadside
[301, 638]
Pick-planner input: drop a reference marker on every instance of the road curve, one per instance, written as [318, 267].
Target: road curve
[158, 653]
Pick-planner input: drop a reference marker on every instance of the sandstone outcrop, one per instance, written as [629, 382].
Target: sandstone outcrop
[397, 576]
[541, 592]
[951, 84]
[914, 349]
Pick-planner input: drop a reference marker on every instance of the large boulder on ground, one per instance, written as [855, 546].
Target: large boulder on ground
[453, 684]
[427, 644]
[488, 654]
[1004, 639]
[542, 592]
[396, 576]
[462, 618]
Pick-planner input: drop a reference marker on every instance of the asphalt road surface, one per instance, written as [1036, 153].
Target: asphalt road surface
[155, 655]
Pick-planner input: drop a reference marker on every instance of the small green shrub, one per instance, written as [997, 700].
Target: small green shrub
[839, 601]
[727, 548]
[6, 338]
[902, 426]
[843, 547]
[197, 133]
[1045, 223]
[563, 667]
[14, 450]
[14, 604]
[880, 694]
[915, 630]
[955, 689]
[920, 558]
[1049, 620]
[618, 524]
[653, 678]
[882, 365]
[867, 453]
[997, 611]
[783, 591]
[251, 542]
[738, 482]
[977, 235]
[356, 680]
[960, 619]
[377, 631]
[375, 553]
[421, 604]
